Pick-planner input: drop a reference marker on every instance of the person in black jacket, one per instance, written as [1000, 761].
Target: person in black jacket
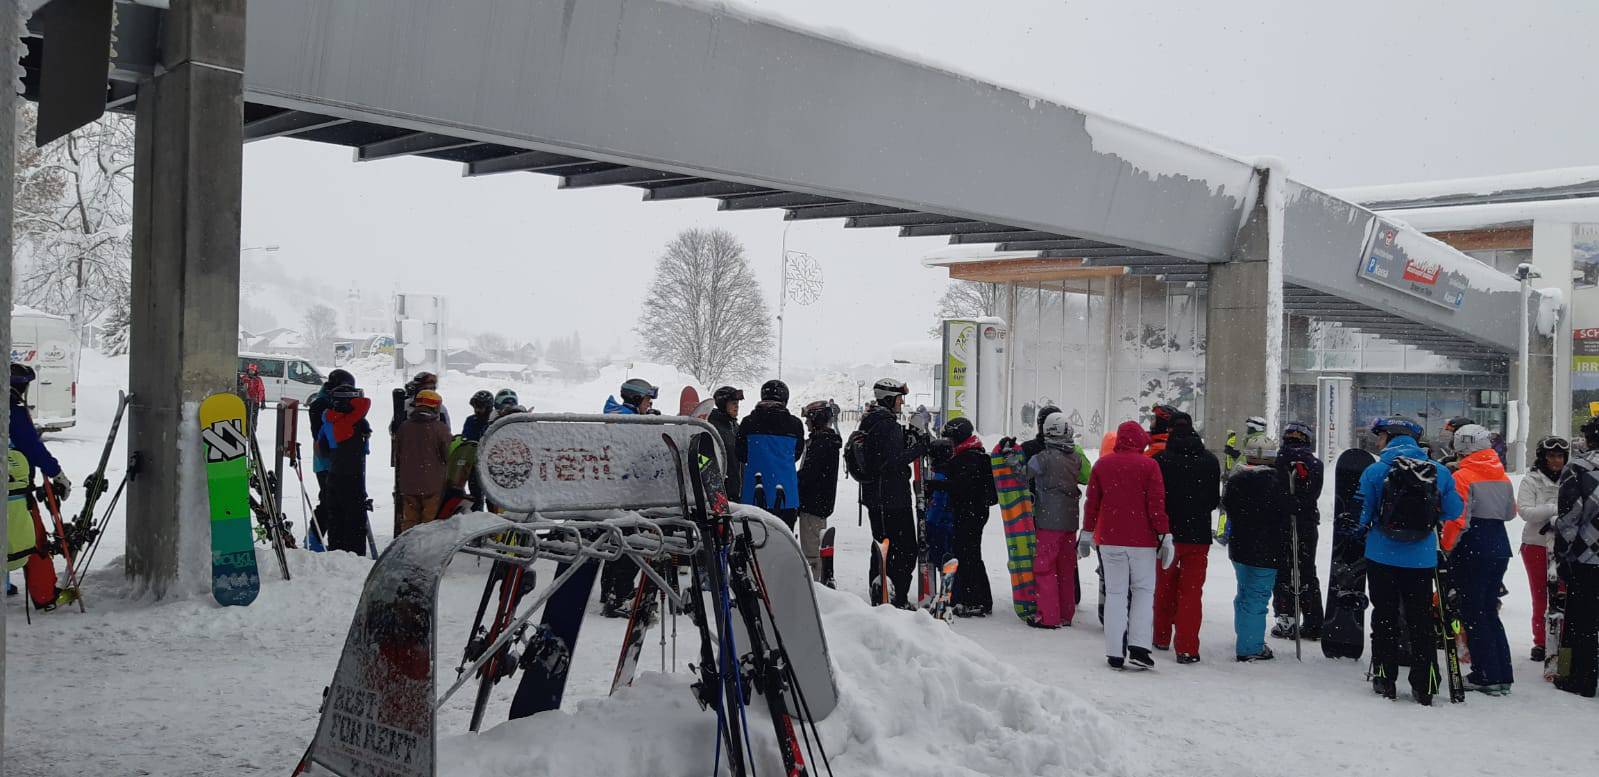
[818, 481]
[969, 481]
[1193, 490]
[1297, 460]
[888, 496]
[1256, 501]
[724, 416]
[770, 442]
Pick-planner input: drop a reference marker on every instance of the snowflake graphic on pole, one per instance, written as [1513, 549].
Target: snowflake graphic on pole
[802, 277]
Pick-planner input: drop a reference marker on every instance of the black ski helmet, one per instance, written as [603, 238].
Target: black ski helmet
[21, 375]
[940, 451]
[482, 400]
[774, 391]
[340, 397]
[1551, 444]
[725, 395]
[634, 390]
[339, 377]
[1043, 413]
[1296, 432]
[819, 413]
[956, 430]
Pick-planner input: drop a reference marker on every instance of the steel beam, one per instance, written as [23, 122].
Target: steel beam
[1006, 236]
[775, 200]
[683, 191]
[521, 162]
[902, 220]
[287, 124]
[951, 228]
[405, 145]
[844, 210]
[1067, 249]
[620, 176]
[1137, 261]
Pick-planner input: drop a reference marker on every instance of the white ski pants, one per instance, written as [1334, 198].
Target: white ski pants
[1129, 597]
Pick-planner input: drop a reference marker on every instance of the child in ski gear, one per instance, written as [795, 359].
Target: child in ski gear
[618, 577]
[1232, 454]
[1576, 549]
[424, 450]
[254, 391]
[342, 438]
[1445, 450]
[1303, 472]
[1400, 568]
[1055, 475]
[968, 481]
[1482, 554]
[482, 415]
[889, 449]
[1192, 477]
[1256, 501]
[770, 442]
[506, 402]
[818, 481]
[1126, 514]
[26, 542]
[422, 381]
[1537, 501]
[319, 404]
[940, 516]
[724, 416]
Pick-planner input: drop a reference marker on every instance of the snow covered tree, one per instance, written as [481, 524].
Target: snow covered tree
[492, 344]
[74, 219]
[321, 327]
[968, 299]
[704, 313]
[116, 327]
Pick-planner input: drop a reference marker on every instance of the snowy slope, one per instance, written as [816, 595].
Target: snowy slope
[187, 688]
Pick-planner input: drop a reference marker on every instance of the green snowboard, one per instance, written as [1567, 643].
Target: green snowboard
[234, 578]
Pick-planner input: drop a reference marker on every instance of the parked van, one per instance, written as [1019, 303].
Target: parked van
[286, 377]
[47, 343]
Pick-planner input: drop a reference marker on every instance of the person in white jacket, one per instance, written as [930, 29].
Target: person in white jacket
[1538, 501]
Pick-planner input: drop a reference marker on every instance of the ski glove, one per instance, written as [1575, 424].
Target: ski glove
[1168, 551]
[1085, 545]
[62, 486]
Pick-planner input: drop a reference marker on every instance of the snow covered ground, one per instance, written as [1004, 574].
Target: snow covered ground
[185, 687]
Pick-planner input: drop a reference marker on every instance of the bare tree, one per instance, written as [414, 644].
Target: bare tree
[492, 344]
[704, 313]
[321, 327]
[74, 214]
[968, 299]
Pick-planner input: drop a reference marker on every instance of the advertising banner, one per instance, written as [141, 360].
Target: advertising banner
[960, 359]
[1386, 262]
[1584, 256]
[1335, 410]
[1584, 373]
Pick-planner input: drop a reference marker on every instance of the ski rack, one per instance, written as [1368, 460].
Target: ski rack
[571, 481]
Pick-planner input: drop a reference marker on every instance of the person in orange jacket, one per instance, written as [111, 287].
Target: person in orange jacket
[1480, 553]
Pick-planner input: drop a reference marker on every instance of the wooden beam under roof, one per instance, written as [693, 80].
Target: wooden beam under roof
[1030, 271]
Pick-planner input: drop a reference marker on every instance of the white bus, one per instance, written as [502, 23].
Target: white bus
[47, 344]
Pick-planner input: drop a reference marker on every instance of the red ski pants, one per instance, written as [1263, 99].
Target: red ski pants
[1536, 559]
[1055, 576]
[1177, 598]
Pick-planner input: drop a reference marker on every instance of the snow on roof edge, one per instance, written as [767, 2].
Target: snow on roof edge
[1476, 185]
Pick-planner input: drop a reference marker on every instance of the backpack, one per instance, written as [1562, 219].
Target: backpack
[855, 463]
[1411, 507]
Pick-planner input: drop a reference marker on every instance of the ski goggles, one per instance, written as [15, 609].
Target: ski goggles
[1555, 444]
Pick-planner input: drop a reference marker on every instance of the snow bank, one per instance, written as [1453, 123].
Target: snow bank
[915, 699]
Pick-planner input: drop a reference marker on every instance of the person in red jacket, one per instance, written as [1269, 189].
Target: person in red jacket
[1126, 516]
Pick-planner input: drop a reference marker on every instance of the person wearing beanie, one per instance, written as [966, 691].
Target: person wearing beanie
[769, 445]
[1192, 477]
[724, 417]
[818, 481]
[342, 440]
[423, 446]
[1576, 554]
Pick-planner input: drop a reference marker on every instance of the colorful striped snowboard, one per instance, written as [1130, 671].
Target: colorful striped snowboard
[234, 578]
[1016, 507]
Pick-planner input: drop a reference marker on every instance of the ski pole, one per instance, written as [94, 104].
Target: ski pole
[1293, 515]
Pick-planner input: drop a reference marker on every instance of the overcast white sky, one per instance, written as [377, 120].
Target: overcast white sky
[1349, 93]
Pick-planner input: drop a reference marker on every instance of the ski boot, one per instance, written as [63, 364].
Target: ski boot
[11, 588]
[1284, 628]
[1537, 653]
[1139, 658]
[611, 608]
[1187, 658]
[1116, 662]
[1384, 687]
[1038, 624]
[1265, 654]
[969, 611]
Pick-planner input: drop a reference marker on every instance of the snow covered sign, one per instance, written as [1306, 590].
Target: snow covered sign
[960, 373]
[1389, 261]
[550, 463]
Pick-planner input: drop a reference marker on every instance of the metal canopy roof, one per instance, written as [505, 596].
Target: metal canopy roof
[683, 100]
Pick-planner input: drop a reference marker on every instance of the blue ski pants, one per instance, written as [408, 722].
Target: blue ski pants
[1250, 606]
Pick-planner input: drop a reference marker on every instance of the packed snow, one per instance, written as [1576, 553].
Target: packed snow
[184, 687]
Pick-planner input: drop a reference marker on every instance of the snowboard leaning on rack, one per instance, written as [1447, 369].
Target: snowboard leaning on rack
[234, 577]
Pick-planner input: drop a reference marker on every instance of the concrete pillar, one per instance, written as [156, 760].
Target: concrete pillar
[184, 345]
[9, 42]
[1236, 333]
[1540, 392]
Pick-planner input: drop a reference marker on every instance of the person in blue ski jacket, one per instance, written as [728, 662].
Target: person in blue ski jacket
[25, 536]
[1400, 573]
[618, 578]
[770, 443]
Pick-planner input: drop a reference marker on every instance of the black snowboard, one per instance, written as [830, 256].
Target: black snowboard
[549, 650]
[1343, 632]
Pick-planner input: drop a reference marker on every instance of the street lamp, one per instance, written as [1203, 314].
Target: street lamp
[1524, 273]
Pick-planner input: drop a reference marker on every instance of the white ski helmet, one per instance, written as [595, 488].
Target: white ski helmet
[1056, 427]
[889, 387]
[1255, 424]
[1261, 450]
[1472, 438]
